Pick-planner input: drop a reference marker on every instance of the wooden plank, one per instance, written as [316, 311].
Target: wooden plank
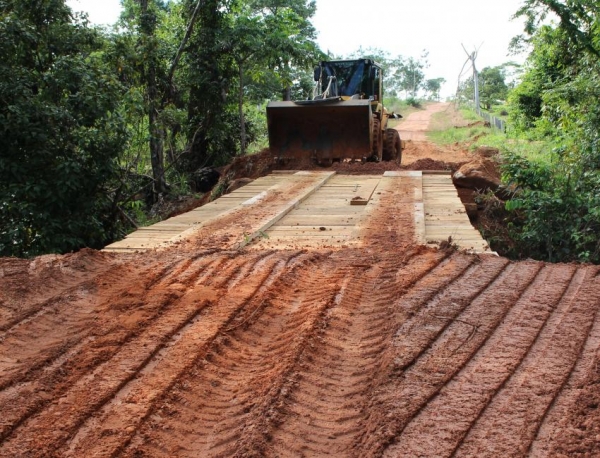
[306, 238]
[437, 172]
[334, 209]
[445, 215]
[254, 199]
[363, 195]
[152, 234]
[457, 237]
[403, 173]
[328, 204]
[442, 222]
[438, 213]
[327, 208]
[419, 222]
[320, 238]
[294, 219]
[445, 212]
[449, 196]
[239, 195]
[288, 207]
[180, 226]
[292, 243]
[153, 230]
[308, 231]
[326, 198]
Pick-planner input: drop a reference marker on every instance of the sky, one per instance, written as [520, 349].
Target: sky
[400, 27]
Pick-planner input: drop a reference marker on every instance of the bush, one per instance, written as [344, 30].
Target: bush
[414, 102]
[60, 133]
[554, 214]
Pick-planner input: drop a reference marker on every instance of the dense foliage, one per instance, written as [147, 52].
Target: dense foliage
[97, 124]
[555, 212]
[60, 131]
[492, 86]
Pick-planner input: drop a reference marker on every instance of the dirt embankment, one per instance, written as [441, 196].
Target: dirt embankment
[386, 350]
[394, 351]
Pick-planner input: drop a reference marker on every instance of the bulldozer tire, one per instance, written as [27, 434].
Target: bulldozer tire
[377, 151]
[392, 148]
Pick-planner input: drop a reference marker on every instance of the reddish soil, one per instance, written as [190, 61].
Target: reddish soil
[386, 350]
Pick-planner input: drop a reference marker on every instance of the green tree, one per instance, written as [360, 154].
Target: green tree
[578, 20]
[290, 38]
[399, 73]
[392, 76]
[555, 212]
[270, 36]
[433, 87]
[146, 53]
[247, 40]
[550, 63]
[61, 132]
[151, 67]
[392, 68]
[492, 86]
[212, 123]
[412, 74]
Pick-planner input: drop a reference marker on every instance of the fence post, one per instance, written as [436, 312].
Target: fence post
[496, 123]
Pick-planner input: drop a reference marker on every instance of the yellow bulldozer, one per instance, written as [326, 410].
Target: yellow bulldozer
[344, 119]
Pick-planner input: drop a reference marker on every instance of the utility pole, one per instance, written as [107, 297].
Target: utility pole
[472, 56]
[475, 80]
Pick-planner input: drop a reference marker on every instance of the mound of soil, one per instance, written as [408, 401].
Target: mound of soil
[416, 156]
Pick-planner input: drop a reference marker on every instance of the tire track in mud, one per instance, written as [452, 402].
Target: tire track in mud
[130, 353]
[323, 409]
[27, 285]
[540, 376]
[422, 350]
[361, 352]
[48, 303]
[579, 433]
[107, 430]
[555, 434]
[126, 309]
[441, 425]
[227, 394]
[70, 292]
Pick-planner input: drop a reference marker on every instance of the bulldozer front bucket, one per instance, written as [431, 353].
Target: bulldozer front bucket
[322, 130]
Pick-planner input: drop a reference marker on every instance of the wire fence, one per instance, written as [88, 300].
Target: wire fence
[494, 122]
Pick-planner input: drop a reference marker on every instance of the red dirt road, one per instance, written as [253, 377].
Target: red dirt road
[407, 352]
[415, 126]
[386, 350]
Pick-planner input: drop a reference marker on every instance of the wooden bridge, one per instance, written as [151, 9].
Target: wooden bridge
[327, 210]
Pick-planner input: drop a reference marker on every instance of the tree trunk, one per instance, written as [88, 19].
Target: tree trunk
[156, 151]
[180, 50]
[241, 109]
[148, 30]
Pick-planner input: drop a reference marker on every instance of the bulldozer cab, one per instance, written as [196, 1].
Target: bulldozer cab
[357, 79]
